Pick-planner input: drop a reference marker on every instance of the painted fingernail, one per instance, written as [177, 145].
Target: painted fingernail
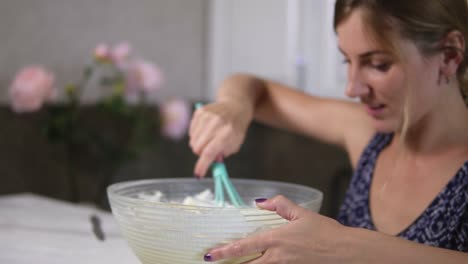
[260, 200]
[208, 257]
[197, 176]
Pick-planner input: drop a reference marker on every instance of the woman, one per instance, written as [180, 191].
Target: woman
[407, 140]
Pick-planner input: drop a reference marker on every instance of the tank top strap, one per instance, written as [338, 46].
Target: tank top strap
[355, 208]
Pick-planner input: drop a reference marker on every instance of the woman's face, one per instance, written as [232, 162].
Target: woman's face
[383, 83]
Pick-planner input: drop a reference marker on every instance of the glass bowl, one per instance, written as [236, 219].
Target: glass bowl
[170, 232]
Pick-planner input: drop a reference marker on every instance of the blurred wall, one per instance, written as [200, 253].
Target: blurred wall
[251, 36]
[62, 34]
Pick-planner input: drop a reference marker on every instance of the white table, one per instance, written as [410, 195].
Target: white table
[36, 229]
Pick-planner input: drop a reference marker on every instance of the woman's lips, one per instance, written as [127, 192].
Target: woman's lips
[375, 110]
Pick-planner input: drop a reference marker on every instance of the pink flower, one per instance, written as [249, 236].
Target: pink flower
[175, 116]
[117, 54]
[143, 76]
[102, 52]
[120, 53]
[31, 87]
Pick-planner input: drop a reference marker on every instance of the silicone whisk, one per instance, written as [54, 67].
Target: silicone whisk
[222, 181]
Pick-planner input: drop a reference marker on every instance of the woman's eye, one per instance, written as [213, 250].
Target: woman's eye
[383, 67]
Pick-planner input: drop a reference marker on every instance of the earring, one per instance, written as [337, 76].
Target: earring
[443, 77]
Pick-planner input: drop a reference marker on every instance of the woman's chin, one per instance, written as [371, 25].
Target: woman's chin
[385, 126]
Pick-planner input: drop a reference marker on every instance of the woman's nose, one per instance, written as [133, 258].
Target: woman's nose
[356, 87]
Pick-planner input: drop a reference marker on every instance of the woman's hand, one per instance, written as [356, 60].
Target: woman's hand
[308, 238]
[217, 129]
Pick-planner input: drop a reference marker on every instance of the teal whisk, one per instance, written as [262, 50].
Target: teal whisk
[222, 181]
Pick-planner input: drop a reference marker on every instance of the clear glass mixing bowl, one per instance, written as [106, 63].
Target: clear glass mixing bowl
[170, 232]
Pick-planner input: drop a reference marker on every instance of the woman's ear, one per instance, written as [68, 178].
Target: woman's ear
[453, 49]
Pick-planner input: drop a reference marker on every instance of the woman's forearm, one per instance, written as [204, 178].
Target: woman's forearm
[281, 106]
[244, 89]
[364, 246]
[266, 101]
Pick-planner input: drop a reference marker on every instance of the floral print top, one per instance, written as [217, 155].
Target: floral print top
[444, 223]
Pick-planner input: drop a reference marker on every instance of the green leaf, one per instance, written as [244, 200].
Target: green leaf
[87, 72]
[107, 81]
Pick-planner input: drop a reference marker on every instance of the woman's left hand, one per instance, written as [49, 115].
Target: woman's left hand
[308, 238]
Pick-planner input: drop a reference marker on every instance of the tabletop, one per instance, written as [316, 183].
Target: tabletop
[37, 229]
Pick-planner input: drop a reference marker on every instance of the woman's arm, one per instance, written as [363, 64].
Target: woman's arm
[283, 107]
[219, 128]
[313, 238]
[364, 246]
[336, 122]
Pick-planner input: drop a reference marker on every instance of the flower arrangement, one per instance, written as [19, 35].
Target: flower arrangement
[125, 83]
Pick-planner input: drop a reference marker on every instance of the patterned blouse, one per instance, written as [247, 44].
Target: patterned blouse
[443, 224]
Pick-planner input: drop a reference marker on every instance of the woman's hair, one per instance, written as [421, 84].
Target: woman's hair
[424, 22]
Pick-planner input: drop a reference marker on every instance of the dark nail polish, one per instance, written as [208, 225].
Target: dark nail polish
[260, 200]
[207, 257]
[197, 176]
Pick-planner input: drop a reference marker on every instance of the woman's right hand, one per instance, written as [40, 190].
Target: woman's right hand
[218, 130]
